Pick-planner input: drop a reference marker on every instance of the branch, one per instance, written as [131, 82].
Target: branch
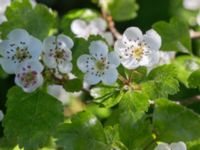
[190, 101]
[194, 34]
[111, 24]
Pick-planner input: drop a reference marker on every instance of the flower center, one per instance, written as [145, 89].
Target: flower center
[100, 65]
[30, 76]
[22, 54]
[138, 52]
[59, 54]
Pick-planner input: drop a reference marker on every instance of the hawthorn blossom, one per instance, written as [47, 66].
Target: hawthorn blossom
[57, 53]
[3, 5]
[19, 47]
[1, 115]
[95, 27]
[136, 49]
[28, 75]
[100, 65]
[173, 146]
[191, 4]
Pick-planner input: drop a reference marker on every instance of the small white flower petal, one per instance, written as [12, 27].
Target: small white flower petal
[8, 66]
[19, 35]
[85, 62]
[119, 46]
[4, 46]
[65, 41]
[150, 60]
[91, 79]
[110, 75]
[109, 37]
[1, 115]
[113, 58]
[162, 146]
[49, 61]
[132, 33]
[178, 146]
[35, 47]
[49, 43]
[99, 23]
[79, 27]
[65, 67]
[98, 49]
[130, 63]
[191, 4]
[153, 39]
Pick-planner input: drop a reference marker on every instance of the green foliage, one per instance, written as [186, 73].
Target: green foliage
[73, 85]
[31, 118]
[173, 122]
[194, 79]
[161, 82]
[128, 9]
[21, 14]
[84, 133]
[175, 35]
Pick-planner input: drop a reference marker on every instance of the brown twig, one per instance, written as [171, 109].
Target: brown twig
[111, 24]
[190, 100]
[194, 34]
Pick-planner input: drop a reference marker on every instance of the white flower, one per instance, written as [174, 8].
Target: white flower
[95, 27]
[19, 47]
[28, 75]
[191, 4]
[1, 115]
[136, 49]
[3, 5]
[57, 53]
[173, 146]
[99, 65]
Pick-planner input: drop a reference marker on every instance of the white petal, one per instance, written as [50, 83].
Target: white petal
[162, 146]
[4, 46]
[65, 40]
[19, 35]
[99, 23]
[178, 146]
[110, 76]
[151, 59]
[91, 78]
[153, 39]
[130, 63]
[85, 62]
[8, 66]
[109, 37]
[1, 115]
[78, 26]
[35, 47]
[49, 43]
[113, 58]
[35, 65]
[49, 61]
[65, 67]
[119, 46]
[132, 33]
[98, 49]
[191, 4]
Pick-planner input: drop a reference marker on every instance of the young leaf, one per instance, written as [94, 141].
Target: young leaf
[31, 118]
[38, 20]
[194, 79]
[73, 85]
[175, 35]
[173, 122]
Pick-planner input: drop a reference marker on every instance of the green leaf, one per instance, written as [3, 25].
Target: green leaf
[135, 134]
[185, 65]
[31, 118]
[162, 82]
[123, 10]
[73, 85]
[173, 122]
[38, 21]
[84, 133]
[175, 35]
[194, 79]
[193, 145]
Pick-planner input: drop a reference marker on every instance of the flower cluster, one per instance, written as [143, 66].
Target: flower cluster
[173, 146]
[97, 26]
[25, 56]
[21, 54]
